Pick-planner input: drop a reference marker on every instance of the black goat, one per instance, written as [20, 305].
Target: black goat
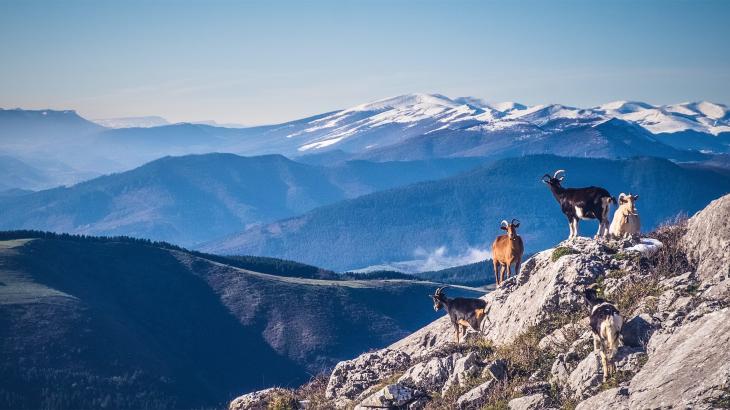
[462, 311]
[581, 203]
[606, 323]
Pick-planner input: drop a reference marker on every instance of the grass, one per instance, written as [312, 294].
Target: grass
[313, 392]
[561, 251]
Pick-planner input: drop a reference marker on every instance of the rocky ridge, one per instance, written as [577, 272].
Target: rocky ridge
[535, 350]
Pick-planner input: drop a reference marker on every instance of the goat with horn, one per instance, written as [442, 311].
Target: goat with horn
[463, 312]
[507, 249]
[581, 203]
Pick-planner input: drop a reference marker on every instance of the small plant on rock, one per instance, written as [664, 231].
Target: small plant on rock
[561, 251]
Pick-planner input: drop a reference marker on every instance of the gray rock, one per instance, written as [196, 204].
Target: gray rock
[476, 396]
[258, 400]
[531, 402]
[351, 377]
[391, 396]
[560, 370]
[686, 367]
[430, 375]
[637, 331]
[611, 399]
[560, 338]
[496, 369]
[542, 290]
[629, 359]
[464, 368]
[586, 377]
[707, 240]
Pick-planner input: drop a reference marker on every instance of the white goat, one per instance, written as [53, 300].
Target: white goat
[626, 221]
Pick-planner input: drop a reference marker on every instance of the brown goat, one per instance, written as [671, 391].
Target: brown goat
[507, 250]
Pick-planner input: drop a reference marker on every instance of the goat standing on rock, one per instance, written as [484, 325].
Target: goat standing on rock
[626, 221]
[581, 203]
[462, 311]
[606, 323]
[506, 250]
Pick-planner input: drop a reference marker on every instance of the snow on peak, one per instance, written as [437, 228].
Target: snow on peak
[624, 107]
[405, 101]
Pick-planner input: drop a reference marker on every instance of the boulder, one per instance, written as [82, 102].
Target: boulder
[587, 377]
[707, 241]
[688, 367]
[496, 369]
[258, 400]
[464, 368]
[476, 396]
[351, 377]
[560, 338]
[611, 399]
[430, 375]
[391, 396]
[532, 402]
[637, 331]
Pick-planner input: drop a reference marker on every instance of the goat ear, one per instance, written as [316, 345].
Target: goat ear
[504, 228]
[622, 199]
[636, 197]
[517, 225]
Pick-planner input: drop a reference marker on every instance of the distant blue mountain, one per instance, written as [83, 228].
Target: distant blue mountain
[463, 212]
[191, 199]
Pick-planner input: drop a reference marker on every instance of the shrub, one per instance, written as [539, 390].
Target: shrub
[561, 251]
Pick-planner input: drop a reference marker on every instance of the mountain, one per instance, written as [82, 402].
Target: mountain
[611, 139]
[411, 126]
[535, 350]
[458, 217]
[16, 174]
[196, 198]
[132, 122]
[125, 323]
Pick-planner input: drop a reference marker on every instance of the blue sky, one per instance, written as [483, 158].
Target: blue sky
[264, 62]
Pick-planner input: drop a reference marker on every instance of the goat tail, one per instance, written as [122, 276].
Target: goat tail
[610, 332]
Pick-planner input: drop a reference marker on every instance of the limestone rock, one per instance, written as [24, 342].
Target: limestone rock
[532, 402]
[707, 240]
[637, 330]
[586, 377]
[352, 377]
[464, 368]
[496, 369]
[430, 375]
[258, 400]
[474, 397]
[611, 399]
[391, 396]
[544, 288]
[687, 367]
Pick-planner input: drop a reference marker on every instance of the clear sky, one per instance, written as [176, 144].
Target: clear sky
[264, 62]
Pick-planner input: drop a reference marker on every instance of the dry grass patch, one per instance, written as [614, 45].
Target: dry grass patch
[561, 251]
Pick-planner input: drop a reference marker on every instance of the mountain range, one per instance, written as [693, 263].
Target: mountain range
[413, 126]
[198, 198]
[457, 218]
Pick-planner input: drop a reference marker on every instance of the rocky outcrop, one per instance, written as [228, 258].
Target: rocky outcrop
[675, 337]
[260, 400]
[543, 288]
[707, 240]
[352, 377]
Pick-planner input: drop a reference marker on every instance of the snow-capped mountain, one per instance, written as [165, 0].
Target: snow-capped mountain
[393, 120]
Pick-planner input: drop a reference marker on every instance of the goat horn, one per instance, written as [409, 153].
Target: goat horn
[439, 290]
[504, 222]
[558, 172]
[515, 220]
